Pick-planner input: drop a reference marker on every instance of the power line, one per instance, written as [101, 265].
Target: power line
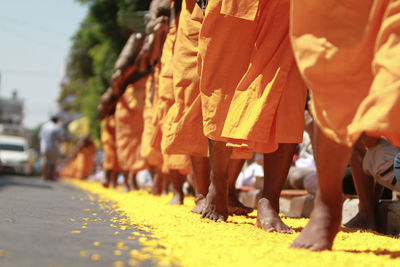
[29, 72]
[20, 22]
[24, 37]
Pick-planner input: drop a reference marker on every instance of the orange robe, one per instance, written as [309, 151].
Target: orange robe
[182, 128]
[164, 102]
[129, 127]
[67, 170]
[349, 55]
[183, 125]
[108, 144]
[252, 94]
[84, 162]
[151, 155]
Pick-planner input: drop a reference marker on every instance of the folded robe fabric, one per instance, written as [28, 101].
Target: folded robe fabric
[108, 144]
[252, 94]
[183, 127]
[164, 102]
[349, 55]
[84, 161]
[152, 156]
[129, 127]
[81, 165]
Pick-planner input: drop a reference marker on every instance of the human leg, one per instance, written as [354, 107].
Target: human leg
[177, 187]
[114, 178]
[331, 161]
[166, 182]
[201, 175]
[365, 187]
[216, 208]
[132, 181]
[126, 180]
[106, 183]
[157, 186]
[234, 205]
[276, 168]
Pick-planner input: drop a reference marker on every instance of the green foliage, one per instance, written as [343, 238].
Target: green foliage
[95, 48]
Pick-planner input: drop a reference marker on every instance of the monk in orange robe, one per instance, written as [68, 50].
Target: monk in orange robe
[252, 97]
[133, 66]
[108, 143]
[85, 160]
[128, 132]
[349, 55]
[182, 127]
[177, 165]
[67, 170]
[80, 163]
[153, 156]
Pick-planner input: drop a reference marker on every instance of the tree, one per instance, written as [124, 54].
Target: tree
[95, 48]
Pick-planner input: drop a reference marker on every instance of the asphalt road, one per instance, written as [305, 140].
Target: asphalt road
[37, 221]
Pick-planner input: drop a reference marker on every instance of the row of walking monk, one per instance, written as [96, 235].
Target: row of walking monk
[212, 82]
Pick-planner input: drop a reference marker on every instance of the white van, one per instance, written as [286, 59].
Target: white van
[14, 154]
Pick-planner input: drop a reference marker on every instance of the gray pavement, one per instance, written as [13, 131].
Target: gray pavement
[37, 219]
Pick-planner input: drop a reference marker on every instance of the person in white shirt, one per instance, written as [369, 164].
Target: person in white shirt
[50, 136]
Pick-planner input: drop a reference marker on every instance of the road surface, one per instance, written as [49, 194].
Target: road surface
[40, 223]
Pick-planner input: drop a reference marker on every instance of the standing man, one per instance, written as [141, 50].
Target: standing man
[50, 134]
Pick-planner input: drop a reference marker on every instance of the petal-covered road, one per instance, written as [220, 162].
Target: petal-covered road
[53, 224]
[179, 237]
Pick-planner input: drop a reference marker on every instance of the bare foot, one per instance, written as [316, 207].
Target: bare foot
[321, 230]
[125, 189]
[177, 199]
[362, 221]
[200, 201]
[216, 206]
[235, 207]
[268, 219]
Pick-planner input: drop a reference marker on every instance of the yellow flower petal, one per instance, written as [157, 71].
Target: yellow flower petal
[117, 252]
[83, 253]
[95, 257]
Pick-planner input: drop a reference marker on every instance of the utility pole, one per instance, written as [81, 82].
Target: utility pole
[1, 109]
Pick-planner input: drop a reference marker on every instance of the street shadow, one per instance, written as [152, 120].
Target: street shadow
[9, 180]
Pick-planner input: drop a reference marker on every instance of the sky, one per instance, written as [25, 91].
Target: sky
[35, 37]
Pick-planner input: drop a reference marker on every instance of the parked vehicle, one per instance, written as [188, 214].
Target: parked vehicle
[14, 155]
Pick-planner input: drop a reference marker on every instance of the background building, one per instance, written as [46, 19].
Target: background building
[11, 115]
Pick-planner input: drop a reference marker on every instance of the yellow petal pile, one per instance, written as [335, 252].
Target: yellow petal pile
[178, 237]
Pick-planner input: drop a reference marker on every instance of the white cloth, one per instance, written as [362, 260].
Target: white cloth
[248, 176]
[49, 135]
[378, 162]
[306, 156]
